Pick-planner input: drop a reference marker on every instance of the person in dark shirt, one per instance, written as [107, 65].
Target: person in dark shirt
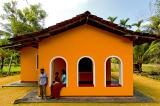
[57, 86]
[57, 79]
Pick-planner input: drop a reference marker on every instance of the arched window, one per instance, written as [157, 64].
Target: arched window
[113, 68]
[85, 72]
[57, 65]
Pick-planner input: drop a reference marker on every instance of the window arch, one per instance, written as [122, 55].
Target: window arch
[58, 64]
[85, 72]
[113, 64]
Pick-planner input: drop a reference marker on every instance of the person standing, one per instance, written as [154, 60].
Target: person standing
[43, 80]
[64, 77]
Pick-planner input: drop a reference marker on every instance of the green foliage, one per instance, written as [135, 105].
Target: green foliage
[112, 19]
[115, 64]
[14, 68]
[22, 21]
[115, 60]
[157, 7]
[19, 22]
[149, 53]
[114, 67]
[123, 23]
[139, 53]
[154, 25]
[138, 25]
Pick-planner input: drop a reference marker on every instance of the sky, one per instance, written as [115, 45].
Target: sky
[60, 10]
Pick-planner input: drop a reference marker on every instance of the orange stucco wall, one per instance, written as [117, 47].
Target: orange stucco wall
[28, 64]
[87, 40]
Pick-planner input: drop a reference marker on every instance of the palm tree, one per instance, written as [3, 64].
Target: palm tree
[123, 23]
[138, 25]
[12, 54]
[139, 55]
[112, 19]
[152, 53]
[3, 53]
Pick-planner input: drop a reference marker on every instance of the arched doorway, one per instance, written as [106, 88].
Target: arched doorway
[57, 65]
[113, 65]
[86, 72]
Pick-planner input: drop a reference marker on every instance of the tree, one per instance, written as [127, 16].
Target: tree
[139, 55]
[19, 21]
[2, 57]
[3, 53]
[152, 54]
[138, 25]
[22, 21]
[123, 23]
[12, 54]
[153, 26]
[112, 19]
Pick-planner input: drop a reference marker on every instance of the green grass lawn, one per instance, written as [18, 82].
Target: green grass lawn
[151, 67]
[151, 71]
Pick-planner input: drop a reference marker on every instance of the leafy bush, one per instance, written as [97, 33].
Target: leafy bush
[154, 73]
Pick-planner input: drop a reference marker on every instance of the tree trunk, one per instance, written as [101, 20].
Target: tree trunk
[140, 67]
[2, 64]
[9, 66]
[139, 62]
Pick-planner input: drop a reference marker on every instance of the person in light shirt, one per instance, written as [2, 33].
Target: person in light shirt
[43, 80]
[64, 77]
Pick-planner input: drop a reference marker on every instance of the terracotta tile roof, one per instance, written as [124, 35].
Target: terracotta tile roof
[85, 18]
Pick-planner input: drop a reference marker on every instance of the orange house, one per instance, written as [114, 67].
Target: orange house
[83, 46]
